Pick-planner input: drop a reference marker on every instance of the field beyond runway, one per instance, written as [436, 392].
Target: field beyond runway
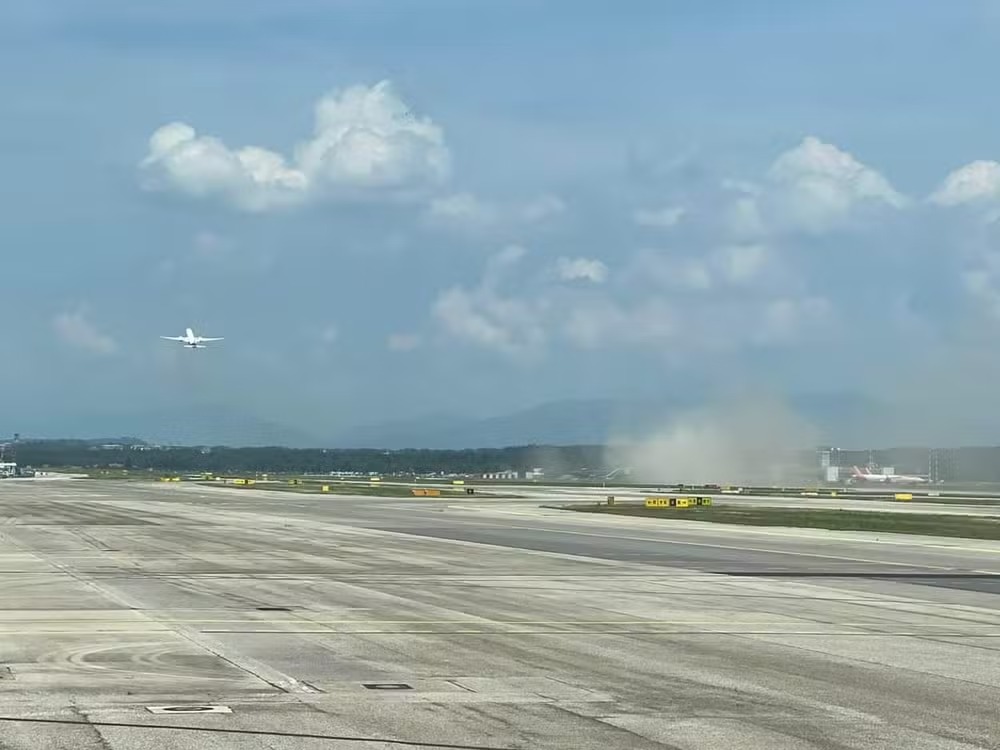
[323, 621]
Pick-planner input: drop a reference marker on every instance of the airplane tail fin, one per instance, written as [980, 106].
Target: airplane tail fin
[190, 333]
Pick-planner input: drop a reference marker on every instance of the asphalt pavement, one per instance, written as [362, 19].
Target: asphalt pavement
[175, 616]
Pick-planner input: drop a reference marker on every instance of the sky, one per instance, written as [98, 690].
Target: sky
[396, 208]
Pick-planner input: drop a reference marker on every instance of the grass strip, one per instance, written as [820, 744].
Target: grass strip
[968, 527]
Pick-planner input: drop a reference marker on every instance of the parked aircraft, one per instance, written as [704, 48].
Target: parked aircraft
[869, 475]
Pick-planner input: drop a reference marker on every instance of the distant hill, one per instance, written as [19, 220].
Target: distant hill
[845, 416]
[577, 422]
[191, 425]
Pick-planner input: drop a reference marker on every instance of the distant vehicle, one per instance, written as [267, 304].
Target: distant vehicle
[870, 475]
[190, 340]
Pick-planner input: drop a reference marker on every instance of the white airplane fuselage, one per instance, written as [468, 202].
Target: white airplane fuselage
[191, 340]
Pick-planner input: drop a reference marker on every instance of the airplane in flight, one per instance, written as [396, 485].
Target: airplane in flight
[869, 475]
[190, 340]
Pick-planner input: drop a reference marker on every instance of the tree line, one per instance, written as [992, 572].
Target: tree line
[85, 454]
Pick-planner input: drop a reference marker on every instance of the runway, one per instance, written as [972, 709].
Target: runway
[319, 621]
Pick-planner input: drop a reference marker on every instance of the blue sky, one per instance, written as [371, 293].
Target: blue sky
[507, 203]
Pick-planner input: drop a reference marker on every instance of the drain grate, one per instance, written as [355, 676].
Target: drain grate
[274, 609]
[387, 686]
[189, 709]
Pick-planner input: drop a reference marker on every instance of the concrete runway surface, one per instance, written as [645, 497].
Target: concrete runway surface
[510, 626]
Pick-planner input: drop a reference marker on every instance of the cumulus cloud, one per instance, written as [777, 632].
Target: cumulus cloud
[77, 331]
[483, 317]
[487, 317]
[736, 265]
[974, 183]
[365, 142]
[752, 263]
[732, 298]
[581, 269]
[661, 218]
[816, 186]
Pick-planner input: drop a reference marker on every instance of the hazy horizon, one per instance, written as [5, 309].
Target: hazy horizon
[389, 216]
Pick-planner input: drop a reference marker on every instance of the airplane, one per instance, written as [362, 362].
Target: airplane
[190, 340]
[872, 476]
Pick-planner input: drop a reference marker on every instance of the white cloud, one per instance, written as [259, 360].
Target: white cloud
[403, 342]
[981, 282]
[662, 218]
[743, 219]
[480, 316]
[462, 210]
[973, 183]
[732, 298]
[731, 265]
[74, 329]
[816, 186]
[581, 269]
[466, 212]
[365, 142]
[486, 317]
[741, 264]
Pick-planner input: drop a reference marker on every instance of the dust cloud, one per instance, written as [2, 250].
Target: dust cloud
[748, 440]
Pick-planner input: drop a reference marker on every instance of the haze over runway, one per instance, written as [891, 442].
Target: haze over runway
[476, 623]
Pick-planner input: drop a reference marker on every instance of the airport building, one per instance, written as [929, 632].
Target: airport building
[507, 474]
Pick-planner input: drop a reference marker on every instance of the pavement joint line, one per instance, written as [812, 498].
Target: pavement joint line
[276, 679]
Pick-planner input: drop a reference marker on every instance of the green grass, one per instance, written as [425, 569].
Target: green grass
[969, 527]
[955, 500]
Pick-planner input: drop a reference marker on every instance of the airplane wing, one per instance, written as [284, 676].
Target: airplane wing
[217, 338]
[173, 338]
